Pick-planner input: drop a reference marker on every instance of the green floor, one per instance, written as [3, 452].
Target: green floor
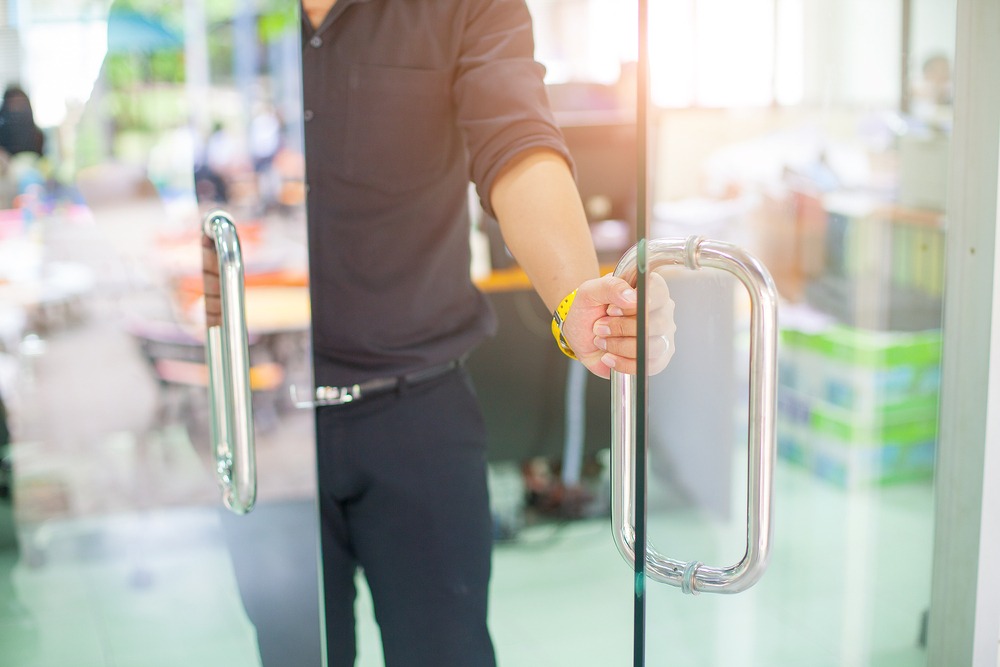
[124, 559]
[151, 590]
[847, 585]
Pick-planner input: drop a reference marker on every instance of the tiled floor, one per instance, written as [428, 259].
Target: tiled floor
[124, 559]
[140, 589]
[151, 588]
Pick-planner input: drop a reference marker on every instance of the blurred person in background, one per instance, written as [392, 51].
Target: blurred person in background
[18, 132]
[931, 96]
[214, 163]
[22, 145]
[265, 138]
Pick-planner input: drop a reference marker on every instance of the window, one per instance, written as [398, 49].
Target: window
[703, 53]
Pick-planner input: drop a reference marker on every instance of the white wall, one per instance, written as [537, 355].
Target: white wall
[852, 53]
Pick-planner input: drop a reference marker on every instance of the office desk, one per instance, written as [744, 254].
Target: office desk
[520, 374]
[272, 309]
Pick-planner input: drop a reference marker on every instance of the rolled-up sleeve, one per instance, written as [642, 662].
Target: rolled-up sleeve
[502, 104]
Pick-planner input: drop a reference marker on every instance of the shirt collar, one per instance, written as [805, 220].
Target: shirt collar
[338, 9]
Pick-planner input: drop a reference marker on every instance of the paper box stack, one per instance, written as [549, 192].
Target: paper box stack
[859, 407]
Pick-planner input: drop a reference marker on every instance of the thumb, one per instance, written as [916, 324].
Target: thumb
[608, 290]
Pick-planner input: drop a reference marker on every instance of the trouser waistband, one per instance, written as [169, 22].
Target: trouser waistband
[378, 386]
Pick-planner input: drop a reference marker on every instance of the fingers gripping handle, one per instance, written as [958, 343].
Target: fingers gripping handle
[697, 253]
[229, 374]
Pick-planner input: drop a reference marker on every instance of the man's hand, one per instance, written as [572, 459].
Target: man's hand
[601, 325]
[210, 281]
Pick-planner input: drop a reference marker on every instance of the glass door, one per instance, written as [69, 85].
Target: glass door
[849, 220]
[115, 546]
[797, 132]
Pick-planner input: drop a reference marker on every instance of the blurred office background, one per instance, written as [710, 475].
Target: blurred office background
[815, 133]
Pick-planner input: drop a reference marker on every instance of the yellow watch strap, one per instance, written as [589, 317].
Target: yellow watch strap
[558, 317]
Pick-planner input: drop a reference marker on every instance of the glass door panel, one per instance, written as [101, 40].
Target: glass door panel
[115, 546]
[856, 251]
[824, 155]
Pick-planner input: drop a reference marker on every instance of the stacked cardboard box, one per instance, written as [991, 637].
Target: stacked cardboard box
[859, 407]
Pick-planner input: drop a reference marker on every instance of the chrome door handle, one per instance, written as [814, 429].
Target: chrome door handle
[693, 577]
[228, 360]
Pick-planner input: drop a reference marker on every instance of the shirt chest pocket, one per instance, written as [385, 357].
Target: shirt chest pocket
[399, 126]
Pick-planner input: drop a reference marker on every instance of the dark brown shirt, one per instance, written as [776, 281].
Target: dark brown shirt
[406, 101]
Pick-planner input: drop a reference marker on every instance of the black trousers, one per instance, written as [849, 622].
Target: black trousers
[403, 496]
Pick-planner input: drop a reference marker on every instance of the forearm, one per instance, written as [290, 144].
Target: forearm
[544, 225]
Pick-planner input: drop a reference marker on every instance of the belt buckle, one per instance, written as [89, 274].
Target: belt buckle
[328, 396]
[337, 395]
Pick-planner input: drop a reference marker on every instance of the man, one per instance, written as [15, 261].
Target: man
[405, 102]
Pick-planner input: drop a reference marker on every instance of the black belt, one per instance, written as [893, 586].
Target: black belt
[370, 388]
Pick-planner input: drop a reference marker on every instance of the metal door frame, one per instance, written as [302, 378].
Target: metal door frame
[964, 621]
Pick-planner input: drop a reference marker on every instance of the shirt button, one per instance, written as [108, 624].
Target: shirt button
[316, 42]
[307, 115]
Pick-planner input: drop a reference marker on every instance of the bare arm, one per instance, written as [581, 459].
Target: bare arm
[544, 225]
